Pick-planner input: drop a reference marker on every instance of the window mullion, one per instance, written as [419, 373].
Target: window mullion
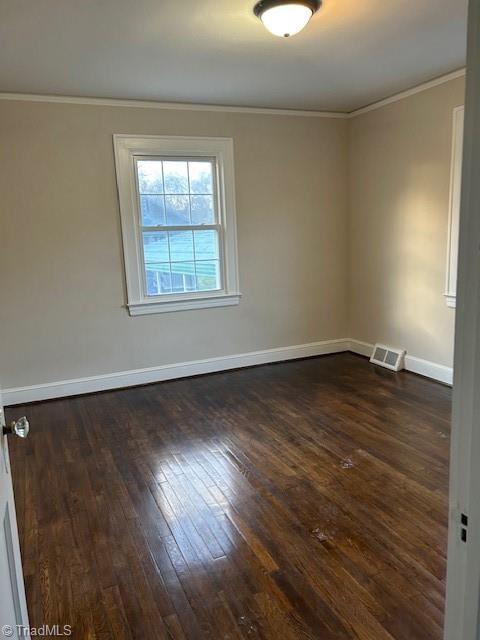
[170, 262]
[187, 227]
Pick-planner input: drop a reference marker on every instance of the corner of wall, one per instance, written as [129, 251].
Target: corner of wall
[349, 320]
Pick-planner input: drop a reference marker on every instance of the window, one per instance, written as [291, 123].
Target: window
[177, 210]
[454, 216]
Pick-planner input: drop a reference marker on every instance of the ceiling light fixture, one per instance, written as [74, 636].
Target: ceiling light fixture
[285, 18]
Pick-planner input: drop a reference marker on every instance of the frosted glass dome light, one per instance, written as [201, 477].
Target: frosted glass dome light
[285, 18]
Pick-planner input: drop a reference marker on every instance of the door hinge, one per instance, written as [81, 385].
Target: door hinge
[464, 527]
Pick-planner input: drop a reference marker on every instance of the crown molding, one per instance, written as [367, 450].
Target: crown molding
[175, 106]
[409, 92]
[185, 106]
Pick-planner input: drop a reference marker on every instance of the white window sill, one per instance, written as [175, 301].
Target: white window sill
[451, 300]
[166, 306]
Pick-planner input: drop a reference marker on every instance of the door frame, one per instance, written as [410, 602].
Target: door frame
[463, 567]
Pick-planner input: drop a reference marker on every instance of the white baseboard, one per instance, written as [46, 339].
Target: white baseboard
[362, 348]
[416, 365]
[120, 379]
[62, 388]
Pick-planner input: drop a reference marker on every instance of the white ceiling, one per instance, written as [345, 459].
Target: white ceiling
[352, 53]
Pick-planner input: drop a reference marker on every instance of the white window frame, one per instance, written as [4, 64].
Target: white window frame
[454, 210]
[129, 147]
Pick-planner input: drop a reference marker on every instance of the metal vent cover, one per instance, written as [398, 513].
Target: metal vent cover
[388, 357]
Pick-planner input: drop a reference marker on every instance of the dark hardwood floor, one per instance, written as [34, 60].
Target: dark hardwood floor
[291, 501]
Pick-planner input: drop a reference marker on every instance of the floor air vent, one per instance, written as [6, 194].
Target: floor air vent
[388, 357]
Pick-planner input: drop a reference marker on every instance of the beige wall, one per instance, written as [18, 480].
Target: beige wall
[399, 175]
[62, 312]
[342, 232]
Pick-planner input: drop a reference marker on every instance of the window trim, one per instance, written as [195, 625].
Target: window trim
[127, 148]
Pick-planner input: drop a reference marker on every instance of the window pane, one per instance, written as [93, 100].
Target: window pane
[177, 210]
[183, 277]
[155, 248]
[159, 280]
[150, 178]
[153, 210]
[201, 179]
[181, 245]
[152, 283]
[202, 209]
[175, 176]
[157, 267]
[208, 275]
[206, 245]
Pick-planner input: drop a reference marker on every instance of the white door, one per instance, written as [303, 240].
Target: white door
[13, 605]
[463, 571]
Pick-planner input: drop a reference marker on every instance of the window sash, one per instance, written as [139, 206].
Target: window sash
[182, 227]
[216, 226]
[195, 261]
